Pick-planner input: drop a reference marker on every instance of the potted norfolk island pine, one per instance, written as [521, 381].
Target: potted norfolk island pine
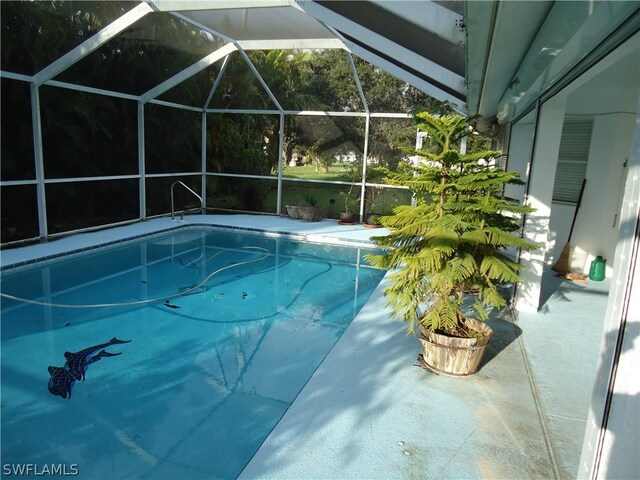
[452, 242]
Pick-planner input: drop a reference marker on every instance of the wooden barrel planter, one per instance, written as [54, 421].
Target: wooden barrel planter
[455, 356]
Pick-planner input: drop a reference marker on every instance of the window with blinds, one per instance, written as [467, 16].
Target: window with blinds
[572, 160]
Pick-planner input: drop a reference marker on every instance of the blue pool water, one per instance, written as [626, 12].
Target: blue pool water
[224, 330]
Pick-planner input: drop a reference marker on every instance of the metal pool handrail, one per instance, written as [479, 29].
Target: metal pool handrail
[172, 205]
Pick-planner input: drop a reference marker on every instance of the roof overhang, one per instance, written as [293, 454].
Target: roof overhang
[519, 51]
[499, 35]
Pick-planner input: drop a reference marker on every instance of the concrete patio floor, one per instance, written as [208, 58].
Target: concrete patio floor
[562, 342]
[370, 412]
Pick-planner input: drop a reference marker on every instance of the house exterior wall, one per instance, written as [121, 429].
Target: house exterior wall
[611, 441]
[559, 227]
[597, 232]
[597, 223]
[607, 225]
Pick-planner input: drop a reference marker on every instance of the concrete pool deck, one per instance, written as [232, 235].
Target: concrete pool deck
[370, 412]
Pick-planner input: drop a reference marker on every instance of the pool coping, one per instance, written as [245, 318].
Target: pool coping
[325, 231]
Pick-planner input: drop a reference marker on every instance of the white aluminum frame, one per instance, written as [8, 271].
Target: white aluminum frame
[91, 44]
[188, 72]
[46, 77]
[182, 5]
[97, 91]
[335, 22]
[100, 178]
[16, 76]
[36, 122]
[292, 44]
[141, 162]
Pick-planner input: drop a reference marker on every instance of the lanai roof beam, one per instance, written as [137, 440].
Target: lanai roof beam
[91, 44]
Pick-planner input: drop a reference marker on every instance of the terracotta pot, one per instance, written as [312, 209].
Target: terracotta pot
[372, 221]
[455, 356]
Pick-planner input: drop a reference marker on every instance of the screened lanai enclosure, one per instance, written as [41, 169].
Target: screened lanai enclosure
[115, 112]
[106, 105]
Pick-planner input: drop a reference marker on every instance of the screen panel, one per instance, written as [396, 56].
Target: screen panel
[35, 34]
[19, 208]
[242, 194]
[152, 50]
[381, 200]
[243, 143]
[87, 135]
[16, 143]
[330, 199]
[324, 147]
[75, 205]
[173, 140]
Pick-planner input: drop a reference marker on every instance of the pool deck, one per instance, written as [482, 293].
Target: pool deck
[370, 412]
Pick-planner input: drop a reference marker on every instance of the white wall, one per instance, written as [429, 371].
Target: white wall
[609, 92]
[595, 231]
[519, 157]
[559, 226]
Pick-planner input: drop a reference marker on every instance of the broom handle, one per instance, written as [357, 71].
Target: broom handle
[575, 215]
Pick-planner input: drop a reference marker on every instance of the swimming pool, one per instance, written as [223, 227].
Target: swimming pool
[222, 330]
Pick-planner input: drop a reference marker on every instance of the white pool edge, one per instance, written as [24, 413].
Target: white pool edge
[325, 231]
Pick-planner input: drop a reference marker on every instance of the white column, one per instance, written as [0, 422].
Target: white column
[204, 161]
[365, 159]
[39, 159]
[280, 160]
[540, 192]
[141, 162]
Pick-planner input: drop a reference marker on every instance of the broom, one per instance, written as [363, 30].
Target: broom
[562, 266]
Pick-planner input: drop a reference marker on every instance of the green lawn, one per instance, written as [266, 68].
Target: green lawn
[329, 198]
[337, 172]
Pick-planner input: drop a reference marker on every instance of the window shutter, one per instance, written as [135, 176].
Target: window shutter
[572, 160]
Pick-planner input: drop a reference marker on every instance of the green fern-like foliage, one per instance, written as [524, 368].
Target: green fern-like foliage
[454, 240]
